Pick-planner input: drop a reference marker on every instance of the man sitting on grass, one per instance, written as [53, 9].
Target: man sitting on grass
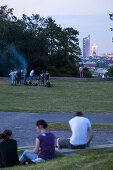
[80, 126]
[45, 145]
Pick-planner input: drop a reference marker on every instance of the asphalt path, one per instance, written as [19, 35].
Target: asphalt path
[24, 129]
[15, 117]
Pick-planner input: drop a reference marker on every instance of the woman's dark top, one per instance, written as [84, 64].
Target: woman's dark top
[8, 153]
[47, 146]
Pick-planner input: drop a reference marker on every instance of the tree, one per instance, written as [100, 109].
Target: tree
[44, 44]
[110, 72]
[87, 73]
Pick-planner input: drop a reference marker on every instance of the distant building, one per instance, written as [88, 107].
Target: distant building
[94, 50]
[86, 47]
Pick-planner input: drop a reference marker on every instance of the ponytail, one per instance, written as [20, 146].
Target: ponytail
[1, 136]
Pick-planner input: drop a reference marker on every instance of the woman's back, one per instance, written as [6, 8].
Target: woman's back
[47, 145]
[8, 153]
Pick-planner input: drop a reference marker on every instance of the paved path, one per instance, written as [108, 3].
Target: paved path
[50, 117]
[23, 125]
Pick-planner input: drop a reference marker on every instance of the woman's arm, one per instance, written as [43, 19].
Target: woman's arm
[37, 145]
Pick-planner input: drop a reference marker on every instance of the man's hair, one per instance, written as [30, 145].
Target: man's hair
[78, 113]
[42, 123]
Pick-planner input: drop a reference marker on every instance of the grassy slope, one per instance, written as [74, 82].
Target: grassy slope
[89, 160]
[67, 96]
[65, 126]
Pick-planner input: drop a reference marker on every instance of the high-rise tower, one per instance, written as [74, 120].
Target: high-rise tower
[95, 50]
[86, 47]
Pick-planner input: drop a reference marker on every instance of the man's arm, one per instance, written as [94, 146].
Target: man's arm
[90, 136]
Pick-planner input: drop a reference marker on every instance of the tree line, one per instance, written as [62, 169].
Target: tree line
[44, 44]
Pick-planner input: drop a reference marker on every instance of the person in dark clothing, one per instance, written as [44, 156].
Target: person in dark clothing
[18, 77]
[42, 76]
[47, 76]
[8, 150]
[48, 84]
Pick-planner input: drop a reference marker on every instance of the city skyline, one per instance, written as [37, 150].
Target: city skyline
[89, 17]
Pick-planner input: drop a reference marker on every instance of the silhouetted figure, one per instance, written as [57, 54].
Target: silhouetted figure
[81, 72]
[47, 75]
[8, 149]
[42, 77]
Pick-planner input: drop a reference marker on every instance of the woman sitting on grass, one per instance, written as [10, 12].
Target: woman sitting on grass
[45, 145]
[8, 149]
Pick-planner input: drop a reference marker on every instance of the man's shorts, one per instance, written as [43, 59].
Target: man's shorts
[65, 143]
[30, 77]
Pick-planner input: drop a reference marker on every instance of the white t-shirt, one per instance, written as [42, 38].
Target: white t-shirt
[79, 126]
[80, 69]
[13, 74]
[32, 72]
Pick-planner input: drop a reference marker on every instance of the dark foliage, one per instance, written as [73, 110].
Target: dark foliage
[44, 44]
[110, 72]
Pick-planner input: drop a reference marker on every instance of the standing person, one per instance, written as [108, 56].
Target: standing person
[80, 127]
[45, 141]
[18, 77]
[81, 72]
[15, 75]
[22, 76]
[47, 75]
[31, 76]
[12, 75]
[42, 76]
[8, 150]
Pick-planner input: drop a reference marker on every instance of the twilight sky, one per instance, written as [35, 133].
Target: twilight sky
[87, 16]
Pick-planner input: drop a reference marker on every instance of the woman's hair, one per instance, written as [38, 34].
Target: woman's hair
[42, 123]
[1, 136]
[5, 134]
[78, 113]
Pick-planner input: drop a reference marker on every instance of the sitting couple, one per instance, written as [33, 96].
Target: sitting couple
[45, 142]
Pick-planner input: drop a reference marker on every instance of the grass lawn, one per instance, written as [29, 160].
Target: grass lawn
[65, 127]
[88, 160]
[67, 96]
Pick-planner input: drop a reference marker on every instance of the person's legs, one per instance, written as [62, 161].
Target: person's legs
[27, 155]
[30, 79]
[24, 78]
[80, 74]
[65, 143]
[12, 81]
[43, 81]
[38, 82]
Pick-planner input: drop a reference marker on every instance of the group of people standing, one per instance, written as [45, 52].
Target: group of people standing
[82, 135]
[17, 77]
[40, 79]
